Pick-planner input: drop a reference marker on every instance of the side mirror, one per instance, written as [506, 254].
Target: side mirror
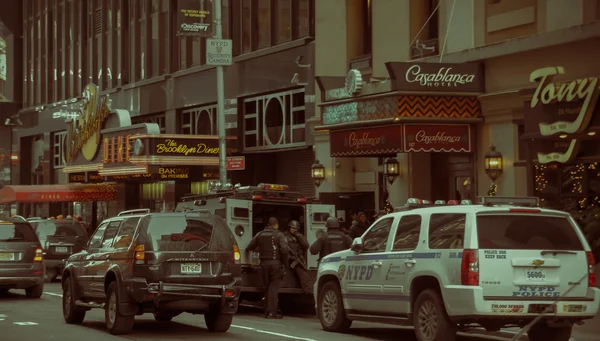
[357, 245]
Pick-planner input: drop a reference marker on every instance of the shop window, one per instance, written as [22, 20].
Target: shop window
[59, 150]
[199, 121]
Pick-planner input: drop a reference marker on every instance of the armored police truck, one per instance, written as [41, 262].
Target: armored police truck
[247, 210]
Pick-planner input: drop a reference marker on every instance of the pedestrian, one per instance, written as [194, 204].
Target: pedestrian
[274, 260]
[360, 227]
[298, 245]
[333, 240]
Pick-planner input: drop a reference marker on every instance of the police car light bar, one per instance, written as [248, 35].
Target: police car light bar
[414, 201]
[466, 202]
[515, 201]
[439, 202]
[273, 187]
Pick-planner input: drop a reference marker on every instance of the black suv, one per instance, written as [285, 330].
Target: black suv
[160, 263]
[21, 258]
[60, 239]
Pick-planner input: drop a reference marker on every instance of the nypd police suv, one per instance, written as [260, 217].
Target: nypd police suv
[443, 268]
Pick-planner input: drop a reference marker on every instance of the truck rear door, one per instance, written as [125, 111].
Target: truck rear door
[316, 216]
[525, 254]
[239, 219]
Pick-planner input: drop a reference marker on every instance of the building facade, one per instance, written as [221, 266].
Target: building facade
[508, 39]
[132, 52]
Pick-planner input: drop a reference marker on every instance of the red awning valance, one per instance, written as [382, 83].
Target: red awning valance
[64, 193]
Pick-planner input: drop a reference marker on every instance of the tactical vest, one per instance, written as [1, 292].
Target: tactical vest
[268, 246]
[335, 242]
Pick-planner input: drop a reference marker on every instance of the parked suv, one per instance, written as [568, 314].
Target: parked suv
[60, 239]
[160, 263]
[442, 268]
[21, 258]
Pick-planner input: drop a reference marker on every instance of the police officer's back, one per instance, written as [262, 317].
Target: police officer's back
[333, 240]
[272, 247]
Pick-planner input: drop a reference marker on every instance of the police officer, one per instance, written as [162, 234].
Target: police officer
[274, 259]
[333, 240]
[298, 246]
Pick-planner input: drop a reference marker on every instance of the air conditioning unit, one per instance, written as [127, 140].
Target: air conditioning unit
[425, 48]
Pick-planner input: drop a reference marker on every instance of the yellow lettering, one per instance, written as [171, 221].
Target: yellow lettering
[120, 149]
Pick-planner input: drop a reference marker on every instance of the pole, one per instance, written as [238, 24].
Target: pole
[221, 101]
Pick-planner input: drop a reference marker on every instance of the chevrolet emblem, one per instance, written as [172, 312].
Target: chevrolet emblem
[538, 262]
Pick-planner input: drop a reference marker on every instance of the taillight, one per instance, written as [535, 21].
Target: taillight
[237, 256]
[39, 255]
[591, 274]
[469, 271]
[257, 197]
[140, 253]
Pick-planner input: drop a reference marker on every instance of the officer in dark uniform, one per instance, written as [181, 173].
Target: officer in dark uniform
[298, 246]
[333, 240]
[272, 247]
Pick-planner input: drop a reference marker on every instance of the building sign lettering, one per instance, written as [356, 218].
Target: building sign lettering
[173, 173]
[450, 138]
[439, 137]
[378, 141]
[116, 149]
[364, 140]
[84, 132]
[443, 77]
[195, 17]
[170, 146]
[437, 77]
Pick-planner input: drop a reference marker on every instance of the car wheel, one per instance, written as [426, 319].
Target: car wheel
[216, 322]
[35, 291]
[71, 312]
[330, 309]
[542, 332]
[116, 323]
[163, 317]
[430, 319]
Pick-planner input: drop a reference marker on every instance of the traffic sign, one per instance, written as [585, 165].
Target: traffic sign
[236, 163]
[219, 52]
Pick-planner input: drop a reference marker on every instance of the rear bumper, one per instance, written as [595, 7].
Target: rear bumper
[21, 282]
[464, 302]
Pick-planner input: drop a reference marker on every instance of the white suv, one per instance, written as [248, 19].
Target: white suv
[443, 268]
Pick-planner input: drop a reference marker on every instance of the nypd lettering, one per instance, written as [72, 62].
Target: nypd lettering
[529, 291]
[359, 272]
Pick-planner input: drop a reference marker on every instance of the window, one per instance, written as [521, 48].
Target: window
[447, 231]
[407, 233]
[96, 240]
[526, 232]
[125, 235]
[181, 233]
[240, 212]
[45, 229]
[59, 150]
[110, 234]
[246, 26]
[376, 238]
[17, 232]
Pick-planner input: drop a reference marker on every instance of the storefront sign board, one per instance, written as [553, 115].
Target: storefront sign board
[377, 141]
[195, 17]
[437, 77]
[450, 138]
[236, 163]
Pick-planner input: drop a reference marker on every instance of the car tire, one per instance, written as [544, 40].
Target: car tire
[216, 322]
[430, 320]
[116, 323]
[35, 291]
[542, 332]
[71, 312]
[330, 309]
[162, 317]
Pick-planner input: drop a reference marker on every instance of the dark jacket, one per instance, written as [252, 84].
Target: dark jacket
[358, 229]
[329, 242]
[271, 244]
[296, 242]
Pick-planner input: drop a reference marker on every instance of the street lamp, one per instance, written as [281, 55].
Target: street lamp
[493, 168]
[317, 173]
[391, 169]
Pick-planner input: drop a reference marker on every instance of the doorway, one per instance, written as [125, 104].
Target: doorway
[452, 176]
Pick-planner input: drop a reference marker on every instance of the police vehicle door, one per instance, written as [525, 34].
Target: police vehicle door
[316, 216]
[239, 219]
[399, 266]
[362, 277]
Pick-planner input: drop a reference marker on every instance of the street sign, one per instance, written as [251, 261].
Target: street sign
[219, 52]
[236, 163]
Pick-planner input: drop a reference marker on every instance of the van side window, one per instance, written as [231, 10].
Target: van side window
[447, 231]
[110, 234]
[376, 238]
[407, 233]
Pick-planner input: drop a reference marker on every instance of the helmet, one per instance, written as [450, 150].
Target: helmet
[294, 224]
[332, 222]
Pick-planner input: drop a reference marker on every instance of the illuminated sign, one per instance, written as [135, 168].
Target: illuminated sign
[170, 173]
[84, 132]
[186, 147]
[116, 149]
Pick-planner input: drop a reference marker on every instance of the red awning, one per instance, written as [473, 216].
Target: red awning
[49, 193]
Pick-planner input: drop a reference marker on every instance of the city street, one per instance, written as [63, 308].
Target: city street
[23, 319]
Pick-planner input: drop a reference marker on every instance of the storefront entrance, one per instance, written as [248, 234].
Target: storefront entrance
[452, 176]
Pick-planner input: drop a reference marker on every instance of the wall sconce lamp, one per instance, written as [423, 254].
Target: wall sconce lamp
[317, 173]
[391, 169]
[493, 164]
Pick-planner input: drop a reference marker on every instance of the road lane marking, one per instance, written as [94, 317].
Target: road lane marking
[25, 323]
[52, 294]
[273, 333]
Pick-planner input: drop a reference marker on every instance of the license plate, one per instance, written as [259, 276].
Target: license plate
[7, 256]
[191, 269]
[62, 249]
[535, 275]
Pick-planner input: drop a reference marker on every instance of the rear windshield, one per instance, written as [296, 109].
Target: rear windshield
[66, 229]
[17, 232]
[180, 233]
[526, 232]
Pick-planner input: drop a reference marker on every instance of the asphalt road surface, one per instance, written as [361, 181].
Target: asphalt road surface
[23, 319]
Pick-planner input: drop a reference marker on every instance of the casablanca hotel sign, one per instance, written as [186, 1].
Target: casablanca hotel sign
[437, 138]
[562, 108]
[367, 142]
[437, 77]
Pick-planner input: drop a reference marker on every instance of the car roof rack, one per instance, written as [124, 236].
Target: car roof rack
[511, 201]
[133, 212]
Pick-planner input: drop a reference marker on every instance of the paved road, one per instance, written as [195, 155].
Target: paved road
[22, 319]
